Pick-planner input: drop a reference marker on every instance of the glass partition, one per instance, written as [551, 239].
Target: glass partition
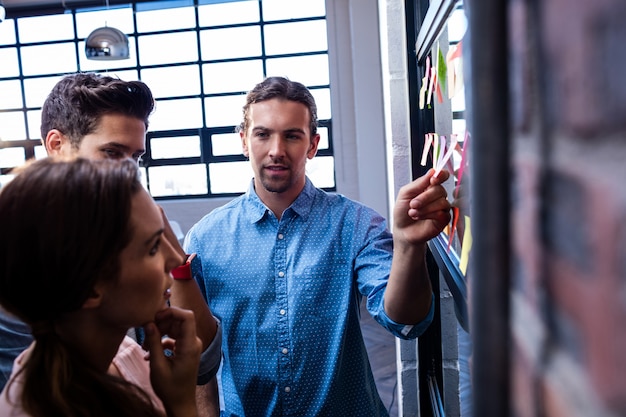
[445, 143]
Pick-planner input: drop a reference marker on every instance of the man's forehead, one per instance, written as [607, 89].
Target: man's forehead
[278, 110]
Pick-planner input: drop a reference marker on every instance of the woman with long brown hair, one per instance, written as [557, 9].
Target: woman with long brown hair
[83, 259]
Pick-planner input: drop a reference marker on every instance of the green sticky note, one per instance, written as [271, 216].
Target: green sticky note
[442, 70]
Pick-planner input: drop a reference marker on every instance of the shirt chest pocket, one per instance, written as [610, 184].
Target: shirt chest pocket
[327, 289]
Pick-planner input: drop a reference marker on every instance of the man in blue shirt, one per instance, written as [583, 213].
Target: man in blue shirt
[286, 265]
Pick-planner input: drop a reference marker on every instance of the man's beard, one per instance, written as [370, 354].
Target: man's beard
[275, 186]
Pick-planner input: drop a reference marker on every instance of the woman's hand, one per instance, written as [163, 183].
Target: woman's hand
[173, 376]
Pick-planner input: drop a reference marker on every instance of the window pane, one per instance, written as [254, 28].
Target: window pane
[160, 81]
[289, 9]
[176, 147]
[49, 59]
[119, 17]
[309, 70]
[8, 58]
[102, 66]
[166, 19]
[142, 177]
[323, 131]
[178, 180]
[230, 177]
[10, 94]
[34, 124]
[162, 4]
[458, 128]
[177, 114]
[168, 48]
[322, 99]
[12, 157]
[57, 27]
[228, 13]
[230, 43]
[127, 75]
[226, 144]
[4, 180]
[37, 89]
[12, 126]
[288, 38]
[457, 24]
[40, 152]
[218, 78]
[321, 171]
[224, 111]
[458, 100]
[7, 32]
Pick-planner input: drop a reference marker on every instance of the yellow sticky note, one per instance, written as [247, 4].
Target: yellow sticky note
[466, 246]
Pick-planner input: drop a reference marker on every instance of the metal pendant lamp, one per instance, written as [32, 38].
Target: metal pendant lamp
[107, 44]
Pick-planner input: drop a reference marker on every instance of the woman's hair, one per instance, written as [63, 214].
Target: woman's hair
[77, 103]
[284, 89]
[64, 224]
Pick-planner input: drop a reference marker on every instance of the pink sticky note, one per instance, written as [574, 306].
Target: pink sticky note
[443, 158]
[428, 140]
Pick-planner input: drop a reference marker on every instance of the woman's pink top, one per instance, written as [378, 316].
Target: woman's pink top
[129, 361]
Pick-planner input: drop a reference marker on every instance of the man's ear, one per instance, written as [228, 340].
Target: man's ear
[95, 298]
[244, 144]
[56, 142]
[315, 141]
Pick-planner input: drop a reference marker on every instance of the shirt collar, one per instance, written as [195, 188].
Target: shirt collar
[301, 206]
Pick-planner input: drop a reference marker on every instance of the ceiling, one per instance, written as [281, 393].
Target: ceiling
[28, 3]
[20, 8]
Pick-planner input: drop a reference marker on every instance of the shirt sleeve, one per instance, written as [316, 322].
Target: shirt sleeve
[410, 331]
[211, 358]
[373, 266]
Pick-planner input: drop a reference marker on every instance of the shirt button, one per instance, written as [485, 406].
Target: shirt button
[282, 311]
[280, 236]
[287, 389]
[281, 274]
[285, 351]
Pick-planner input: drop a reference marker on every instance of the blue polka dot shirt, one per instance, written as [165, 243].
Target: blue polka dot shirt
[287, 293]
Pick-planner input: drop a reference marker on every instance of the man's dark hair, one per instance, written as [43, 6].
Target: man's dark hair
[78, 101]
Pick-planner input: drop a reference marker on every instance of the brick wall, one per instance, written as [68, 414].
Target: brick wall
[568, 118]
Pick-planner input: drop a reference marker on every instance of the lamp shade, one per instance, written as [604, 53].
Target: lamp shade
[106, 44]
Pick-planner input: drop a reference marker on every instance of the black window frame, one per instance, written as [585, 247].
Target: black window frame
[30, 143]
